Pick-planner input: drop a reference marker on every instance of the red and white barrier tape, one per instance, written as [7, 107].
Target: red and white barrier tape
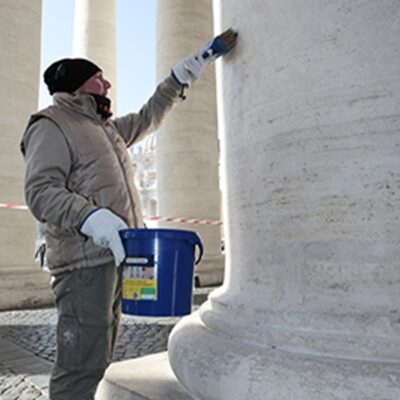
[154, 218]
[13, 206]
[184, 220]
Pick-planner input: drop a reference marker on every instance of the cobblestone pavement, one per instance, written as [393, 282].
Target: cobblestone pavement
[16, 387]
[34, 332]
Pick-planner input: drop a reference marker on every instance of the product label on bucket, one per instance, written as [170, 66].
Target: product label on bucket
[139, 279]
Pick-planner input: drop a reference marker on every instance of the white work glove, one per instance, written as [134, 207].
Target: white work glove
[190, 68]
[103, 227]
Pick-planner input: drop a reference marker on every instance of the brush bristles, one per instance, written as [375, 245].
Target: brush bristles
[228, 38]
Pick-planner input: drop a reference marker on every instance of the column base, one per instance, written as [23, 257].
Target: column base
[213, 365]
[210, 271]
[24, 286]
[145, 378]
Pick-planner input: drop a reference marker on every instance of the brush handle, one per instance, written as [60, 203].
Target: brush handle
[220, 45]
[214, 49]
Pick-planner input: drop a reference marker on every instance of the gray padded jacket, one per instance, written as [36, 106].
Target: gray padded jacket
[77, 162]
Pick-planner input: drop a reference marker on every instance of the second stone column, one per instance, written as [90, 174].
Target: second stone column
[187, 144]
[94, 36]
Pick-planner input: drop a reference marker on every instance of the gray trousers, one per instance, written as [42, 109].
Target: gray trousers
[89, 307]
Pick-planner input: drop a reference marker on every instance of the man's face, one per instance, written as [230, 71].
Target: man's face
[97, 84]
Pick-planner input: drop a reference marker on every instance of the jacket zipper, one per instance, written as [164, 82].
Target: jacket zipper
[125, 177]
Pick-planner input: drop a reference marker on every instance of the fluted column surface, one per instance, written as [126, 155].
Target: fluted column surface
[310, 307]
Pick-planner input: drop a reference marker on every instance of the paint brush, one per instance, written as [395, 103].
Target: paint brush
[221, 44]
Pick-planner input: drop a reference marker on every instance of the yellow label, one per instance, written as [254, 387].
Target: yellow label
[139, 289]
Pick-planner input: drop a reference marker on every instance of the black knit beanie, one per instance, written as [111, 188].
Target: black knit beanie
[68, 74]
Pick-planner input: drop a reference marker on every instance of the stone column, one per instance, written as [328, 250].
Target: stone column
[187, 143]
[310, 308]
[22, 284]
[94, 37]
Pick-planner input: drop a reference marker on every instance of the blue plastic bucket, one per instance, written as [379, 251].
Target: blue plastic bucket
[158, 271]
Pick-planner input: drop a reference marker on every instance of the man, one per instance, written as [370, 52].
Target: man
[79, 182]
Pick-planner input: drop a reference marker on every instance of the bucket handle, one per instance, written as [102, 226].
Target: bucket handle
[197, 242]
